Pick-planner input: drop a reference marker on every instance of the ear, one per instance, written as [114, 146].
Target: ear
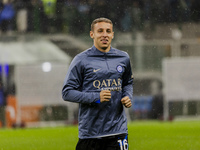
[91, 34]
[113, 36]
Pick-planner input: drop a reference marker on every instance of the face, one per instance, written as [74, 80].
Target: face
[102, 36]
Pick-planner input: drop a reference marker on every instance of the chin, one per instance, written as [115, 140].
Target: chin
[104, 48]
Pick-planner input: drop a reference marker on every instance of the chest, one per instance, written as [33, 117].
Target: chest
[104, 68]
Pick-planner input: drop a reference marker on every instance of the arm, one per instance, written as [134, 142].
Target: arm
[127, 87]
[73, 83]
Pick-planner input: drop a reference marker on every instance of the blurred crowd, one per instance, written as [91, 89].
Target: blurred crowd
[75, 16]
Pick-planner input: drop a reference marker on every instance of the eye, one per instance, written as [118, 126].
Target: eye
[108, 31]
[100, 30]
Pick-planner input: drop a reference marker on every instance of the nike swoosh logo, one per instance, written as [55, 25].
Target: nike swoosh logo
[95, 70]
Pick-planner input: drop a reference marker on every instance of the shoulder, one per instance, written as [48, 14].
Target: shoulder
[83, 54]
[81, 57]
[120, 52]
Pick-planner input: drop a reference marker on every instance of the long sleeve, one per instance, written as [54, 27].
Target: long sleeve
[89, 73]
[127, 87]
[73, 84]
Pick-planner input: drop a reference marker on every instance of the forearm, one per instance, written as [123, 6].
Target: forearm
[80, 97]
[128, 91]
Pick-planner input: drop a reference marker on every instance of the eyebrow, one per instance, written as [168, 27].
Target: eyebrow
[105, 29]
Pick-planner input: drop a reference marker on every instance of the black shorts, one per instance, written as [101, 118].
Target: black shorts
[117, 142]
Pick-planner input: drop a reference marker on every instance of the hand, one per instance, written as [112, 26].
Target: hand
[105, 96]
[126, 102]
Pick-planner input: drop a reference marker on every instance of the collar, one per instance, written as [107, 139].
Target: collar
[95, 51]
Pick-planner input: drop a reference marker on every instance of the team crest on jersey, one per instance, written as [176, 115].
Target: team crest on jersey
[119, 68]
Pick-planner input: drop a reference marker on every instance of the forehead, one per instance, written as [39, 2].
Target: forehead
[103, 25]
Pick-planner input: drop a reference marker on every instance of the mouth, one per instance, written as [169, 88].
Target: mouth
[104, 41]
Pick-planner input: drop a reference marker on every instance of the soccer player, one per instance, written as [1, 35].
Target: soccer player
[100, 80]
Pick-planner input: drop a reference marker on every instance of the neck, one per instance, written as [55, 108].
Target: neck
[104, 50]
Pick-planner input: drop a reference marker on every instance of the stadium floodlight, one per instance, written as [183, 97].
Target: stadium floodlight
[46, 67]
[176, 34]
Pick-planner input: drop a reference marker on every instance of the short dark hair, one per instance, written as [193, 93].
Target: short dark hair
[100, 20]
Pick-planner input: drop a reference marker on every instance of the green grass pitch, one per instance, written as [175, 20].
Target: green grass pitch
[143, 135]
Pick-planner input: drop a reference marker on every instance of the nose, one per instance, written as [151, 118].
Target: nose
[105, 33]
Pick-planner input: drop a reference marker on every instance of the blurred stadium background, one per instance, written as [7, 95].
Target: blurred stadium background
[38, 39]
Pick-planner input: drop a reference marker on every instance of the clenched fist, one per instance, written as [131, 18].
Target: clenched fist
[105, 96]
[126, 102]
